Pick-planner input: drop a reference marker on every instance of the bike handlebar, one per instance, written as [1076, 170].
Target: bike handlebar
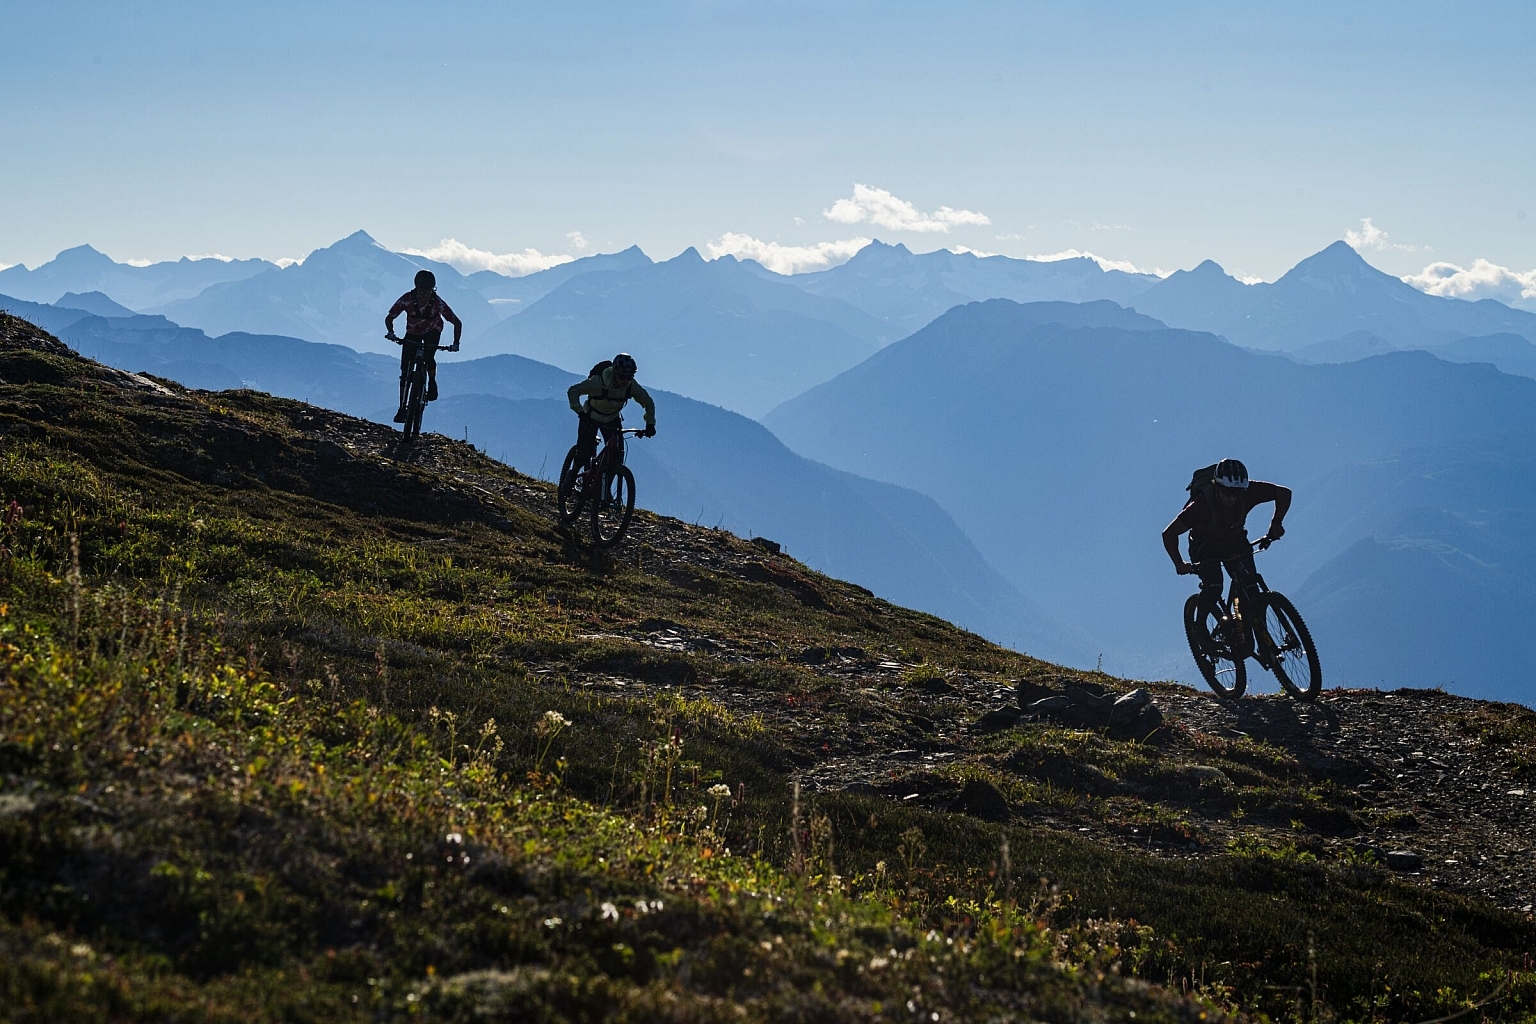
[391, 336]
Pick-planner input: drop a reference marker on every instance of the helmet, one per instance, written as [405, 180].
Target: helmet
[1231, 473]
[426, 279]
[624, 364]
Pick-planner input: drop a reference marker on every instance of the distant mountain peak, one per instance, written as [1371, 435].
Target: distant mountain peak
[356, 238]
[687, 256]
[1208, 268]
[83, 255]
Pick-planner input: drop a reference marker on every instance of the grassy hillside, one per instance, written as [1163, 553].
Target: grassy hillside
[298, 726]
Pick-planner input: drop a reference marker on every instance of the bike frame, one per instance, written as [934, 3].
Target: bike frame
[1247, 594]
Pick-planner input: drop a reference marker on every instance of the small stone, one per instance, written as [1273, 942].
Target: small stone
[1404, 860]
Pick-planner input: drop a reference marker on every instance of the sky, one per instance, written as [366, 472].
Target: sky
[510, 135]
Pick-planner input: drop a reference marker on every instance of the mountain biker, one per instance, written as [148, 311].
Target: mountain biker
[611, 384]
[1216, 520]
[424, 313]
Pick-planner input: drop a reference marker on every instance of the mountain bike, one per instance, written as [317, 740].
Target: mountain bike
[1255, 622]
[416, 385]
[604, 489]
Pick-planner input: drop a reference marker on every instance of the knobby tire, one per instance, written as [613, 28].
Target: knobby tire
[413, 408]
[570, 499]
[613, 506]
[1223, 671]
[1295, 663]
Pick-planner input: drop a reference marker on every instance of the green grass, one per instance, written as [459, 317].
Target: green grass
[275, 744]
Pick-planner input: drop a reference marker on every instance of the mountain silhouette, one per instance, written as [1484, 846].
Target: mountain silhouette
[515, 294]
[339, 294]
[1327, 296]
[717, 331]
[84, 269]
[907, 290]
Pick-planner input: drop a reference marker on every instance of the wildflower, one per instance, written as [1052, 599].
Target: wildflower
[719, 791]
[551, 723]
[878, 963]
[455, 837]
[610, 912]
[552, 922]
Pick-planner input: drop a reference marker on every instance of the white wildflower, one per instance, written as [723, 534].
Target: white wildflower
[719, 791]
[610, 912]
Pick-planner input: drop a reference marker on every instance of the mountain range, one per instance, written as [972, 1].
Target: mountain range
[1327, 296]
[83, 269]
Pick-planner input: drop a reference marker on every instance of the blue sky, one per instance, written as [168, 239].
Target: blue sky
[1157, 134]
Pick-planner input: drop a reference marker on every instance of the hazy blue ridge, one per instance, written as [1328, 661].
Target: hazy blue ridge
[1329, 295]
[515, 294]
[714, 330]
[338, 295]
[83, 269]
[1062, 451]
[907, 290]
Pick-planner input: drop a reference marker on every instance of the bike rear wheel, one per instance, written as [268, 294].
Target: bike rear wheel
[612, 507]
[569, 496]
[1222, 670]
[1293, 659]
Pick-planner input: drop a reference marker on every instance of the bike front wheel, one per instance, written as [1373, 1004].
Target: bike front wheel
[569, 496]
[1221, 668]
[612, 507]
[1293, 659]
[414, 404]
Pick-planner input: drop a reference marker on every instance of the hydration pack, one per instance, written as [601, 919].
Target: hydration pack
[1202, 478]
[597, 371]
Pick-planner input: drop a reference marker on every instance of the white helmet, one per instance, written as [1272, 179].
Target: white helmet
[1231, 473]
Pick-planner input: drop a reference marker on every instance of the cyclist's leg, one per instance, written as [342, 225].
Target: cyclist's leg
[1211, 578]
[586, 440]
[431, 343]
[613, 436]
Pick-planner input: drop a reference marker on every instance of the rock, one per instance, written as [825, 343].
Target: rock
[1204, 773]
[1026, 692]
[997, 719]
[1404, 860]
[770, 546]
[981, 799]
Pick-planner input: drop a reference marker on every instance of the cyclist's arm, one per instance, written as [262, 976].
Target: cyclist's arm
[394, 311]
[577, 390]
[642, 396]
[1281, 496]
[451, 317]
[1174, 530]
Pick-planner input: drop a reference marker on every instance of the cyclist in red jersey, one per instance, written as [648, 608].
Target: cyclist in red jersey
[424, 312]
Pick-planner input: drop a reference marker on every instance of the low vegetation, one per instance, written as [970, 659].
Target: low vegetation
[292, 734]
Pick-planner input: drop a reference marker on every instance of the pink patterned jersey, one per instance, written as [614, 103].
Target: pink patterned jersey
[422, 318]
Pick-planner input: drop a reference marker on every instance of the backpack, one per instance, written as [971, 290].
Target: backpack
[1202, 478]
[597, 371]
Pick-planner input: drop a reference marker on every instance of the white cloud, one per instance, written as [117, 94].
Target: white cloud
[878, 207]
[138, 261]
[1372, 238]
[957, 249]
[212, 256]
[578, 240]
[1098, 226]
[284, 262]
[1482, 280]
[785, 259]
[1105, 264]
[513, 264]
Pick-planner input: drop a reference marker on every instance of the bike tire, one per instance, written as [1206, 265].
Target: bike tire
[1297, 665]
[413, 408]
[612, 507]
[1225, 673]
[568, 497]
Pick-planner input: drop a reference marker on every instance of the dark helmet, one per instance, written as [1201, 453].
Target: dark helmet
[624, 364]
[1231, 473]
[426, 279]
